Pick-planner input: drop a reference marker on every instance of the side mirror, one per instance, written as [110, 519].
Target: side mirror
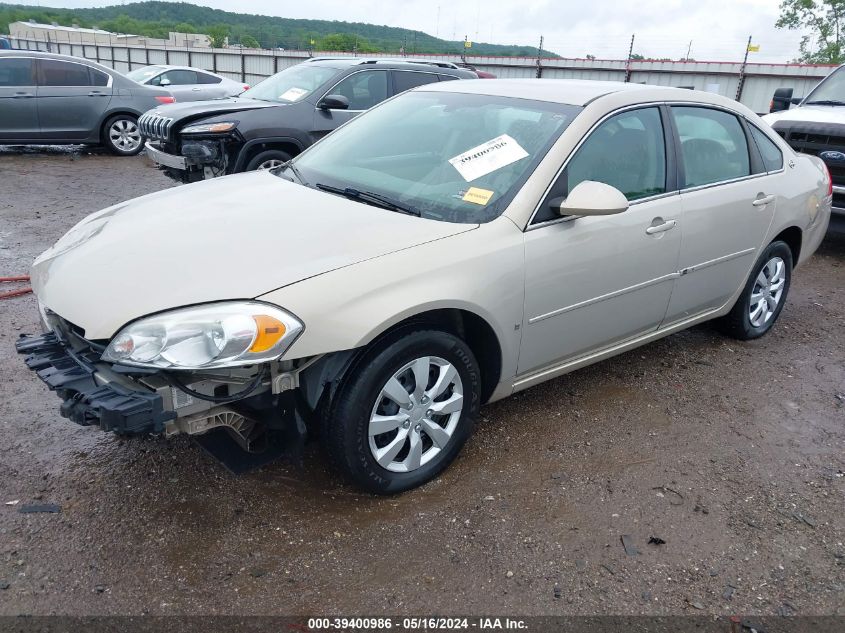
[334, 102]
[164, 82]
[591, 198]
[781, 100]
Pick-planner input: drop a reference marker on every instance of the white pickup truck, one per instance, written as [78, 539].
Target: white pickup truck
[816, 125]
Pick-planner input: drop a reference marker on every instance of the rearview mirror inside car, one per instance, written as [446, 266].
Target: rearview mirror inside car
[591, 198]
[781, 100]
[334, 102]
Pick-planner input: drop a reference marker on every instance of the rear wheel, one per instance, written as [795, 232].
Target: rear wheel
[404, 411]
[121, 135]
[764, 295]
[269, 159]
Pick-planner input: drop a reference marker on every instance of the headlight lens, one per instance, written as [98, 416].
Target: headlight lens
[205, 337]
[212, 128]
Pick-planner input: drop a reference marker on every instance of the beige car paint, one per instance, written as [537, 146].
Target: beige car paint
[349, 271]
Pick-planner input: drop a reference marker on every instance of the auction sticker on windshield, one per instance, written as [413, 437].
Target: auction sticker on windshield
[488, 157]
[293, 94]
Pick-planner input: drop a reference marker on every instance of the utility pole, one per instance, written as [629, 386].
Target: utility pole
[628, 62]
[689, 50]
[742, 70]
[539, 57]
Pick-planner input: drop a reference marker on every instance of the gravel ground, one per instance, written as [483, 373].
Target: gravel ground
[732, 453]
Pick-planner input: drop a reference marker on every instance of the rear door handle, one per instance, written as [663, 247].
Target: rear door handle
[762, 201]
[196, 89]
[96, 93]
[23, 95]
[661, 228]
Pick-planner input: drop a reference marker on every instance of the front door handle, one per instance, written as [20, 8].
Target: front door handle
[762, 200]
[96, 93]
[196, 89]
[661, 228]
[23, 95]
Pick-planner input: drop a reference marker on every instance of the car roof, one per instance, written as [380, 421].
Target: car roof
[67, 58]
[578, 92]
[387, 62]
[172, 67]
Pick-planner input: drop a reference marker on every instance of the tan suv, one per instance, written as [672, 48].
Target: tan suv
[456, 244]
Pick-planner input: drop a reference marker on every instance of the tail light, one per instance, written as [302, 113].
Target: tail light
[246, 86]
[163, 99]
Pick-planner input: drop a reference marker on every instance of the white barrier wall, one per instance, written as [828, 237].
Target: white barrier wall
[251, 66]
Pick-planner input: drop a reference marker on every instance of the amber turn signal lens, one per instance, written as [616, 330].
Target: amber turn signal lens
[270, 332]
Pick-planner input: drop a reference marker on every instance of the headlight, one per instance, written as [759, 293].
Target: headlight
[208, 336]
[212, 128]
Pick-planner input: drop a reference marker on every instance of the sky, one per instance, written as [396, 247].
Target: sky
[718, 30]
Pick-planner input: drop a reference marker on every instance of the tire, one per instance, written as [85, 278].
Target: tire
[121, 135]
[268, 159]
[360, 400]
[774, 262]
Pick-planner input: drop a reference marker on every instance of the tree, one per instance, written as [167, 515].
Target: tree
[824, 19]
[636, 57]
[217, 34]
[249, 41]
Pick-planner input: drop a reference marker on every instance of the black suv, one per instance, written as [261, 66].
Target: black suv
[278, 118]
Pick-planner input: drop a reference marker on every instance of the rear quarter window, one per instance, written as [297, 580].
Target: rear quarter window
[772, 156]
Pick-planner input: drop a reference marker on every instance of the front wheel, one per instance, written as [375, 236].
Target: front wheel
[270, 159]
[404, 411]
[121, 135]
[764, 295]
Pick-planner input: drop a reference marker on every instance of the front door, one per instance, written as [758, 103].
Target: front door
[72, 99]
[18, 112]
[363, 90]
[592, 282]
[728, 201]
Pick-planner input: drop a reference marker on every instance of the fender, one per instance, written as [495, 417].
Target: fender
[244, 151]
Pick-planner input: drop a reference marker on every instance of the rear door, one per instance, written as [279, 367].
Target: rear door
[406, 79]
[728, 199]
[363, 89]
[72, 99]
[18, 112]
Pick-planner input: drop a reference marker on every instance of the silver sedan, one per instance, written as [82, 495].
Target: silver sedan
[186, 83]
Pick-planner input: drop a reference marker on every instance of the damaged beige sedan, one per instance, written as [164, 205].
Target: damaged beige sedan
[459, 243]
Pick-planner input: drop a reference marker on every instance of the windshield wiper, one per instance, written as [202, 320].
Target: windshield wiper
[829, 102]
[375, 199]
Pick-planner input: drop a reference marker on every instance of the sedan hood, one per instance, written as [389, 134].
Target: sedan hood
[236, 237]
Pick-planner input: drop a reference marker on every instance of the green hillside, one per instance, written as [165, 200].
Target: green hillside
[155, 19]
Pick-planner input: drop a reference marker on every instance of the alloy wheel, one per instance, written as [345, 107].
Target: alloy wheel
[270, 164]
[416, 414]
[124, 135]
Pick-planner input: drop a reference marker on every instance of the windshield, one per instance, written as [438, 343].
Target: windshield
[292, 84]
[142, 74]
[831, 89]
[448, 156]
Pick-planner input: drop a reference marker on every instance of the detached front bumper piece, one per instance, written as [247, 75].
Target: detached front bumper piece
[88, 399]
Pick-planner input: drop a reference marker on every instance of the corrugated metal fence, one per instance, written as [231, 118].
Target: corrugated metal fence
[758, 81]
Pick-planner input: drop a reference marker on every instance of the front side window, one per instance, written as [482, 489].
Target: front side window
[176, 78]
[449, 156]
[628, 151]
[772, 156]
[403, 80]
[363, 89]
[65, 74]
[15, 71]
[292, 84]
[713, 145]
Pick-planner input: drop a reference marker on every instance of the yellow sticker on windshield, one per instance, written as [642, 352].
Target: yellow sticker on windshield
[477, 196]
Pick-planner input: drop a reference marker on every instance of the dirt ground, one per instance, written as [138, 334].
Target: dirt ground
[733, 453]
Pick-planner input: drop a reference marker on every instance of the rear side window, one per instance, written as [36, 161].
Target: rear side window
[202, 78]
[403, 81]
[178, 77]
[16, 72]
[447, 78]
[98, 78]
[65, 74]
[772, 156]
[713, 145]
[627, 151]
